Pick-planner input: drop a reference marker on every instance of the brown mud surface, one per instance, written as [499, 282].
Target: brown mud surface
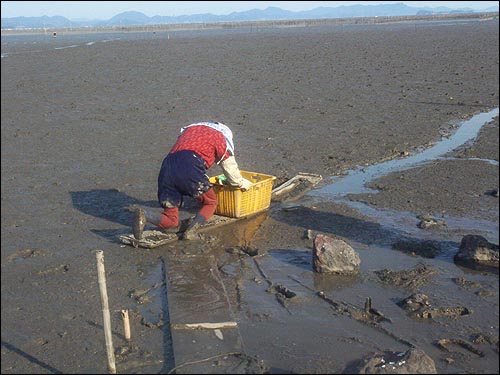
[87, 119]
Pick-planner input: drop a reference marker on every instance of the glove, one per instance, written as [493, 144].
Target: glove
[233, 174]
[245, 184]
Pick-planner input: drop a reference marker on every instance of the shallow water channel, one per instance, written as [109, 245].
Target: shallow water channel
[354, 181]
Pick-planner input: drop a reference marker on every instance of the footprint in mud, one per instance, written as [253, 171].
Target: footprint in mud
[24, 254]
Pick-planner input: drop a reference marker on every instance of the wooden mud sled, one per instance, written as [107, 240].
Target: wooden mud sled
[290, 191]
[155, 238]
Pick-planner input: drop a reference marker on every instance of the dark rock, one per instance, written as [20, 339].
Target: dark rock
[414, 302]
[477, 249]
[493, 193]
[427, 221]
[419, 307]
[450, 312]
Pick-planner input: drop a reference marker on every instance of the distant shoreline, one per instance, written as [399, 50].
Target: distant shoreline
[256, 24]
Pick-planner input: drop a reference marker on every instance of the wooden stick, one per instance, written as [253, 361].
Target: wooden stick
[101, 275]
[126, 325]
[205, 325]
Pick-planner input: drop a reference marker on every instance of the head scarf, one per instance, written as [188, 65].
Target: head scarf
[224, 129]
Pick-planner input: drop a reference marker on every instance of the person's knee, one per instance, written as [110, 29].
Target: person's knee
[168, 204]
[209, 198]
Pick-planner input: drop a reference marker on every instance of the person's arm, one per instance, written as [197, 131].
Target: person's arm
[233, 174]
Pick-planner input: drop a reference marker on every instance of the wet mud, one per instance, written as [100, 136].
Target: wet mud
[84, 130]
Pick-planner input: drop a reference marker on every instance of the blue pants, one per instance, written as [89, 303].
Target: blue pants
[181, 173]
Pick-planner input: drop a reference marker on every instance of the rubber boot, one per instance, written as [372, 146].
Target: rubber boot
[169, 220]
[209, 204]
[163, 220]
[191, 231]
[139, 223]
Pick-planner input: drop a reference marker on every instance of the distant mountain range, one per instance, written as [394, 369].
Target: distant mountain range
[269, 14]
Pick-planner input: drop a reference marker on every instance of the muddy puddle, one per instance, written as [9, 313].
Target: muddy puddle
[295, 320]
[302, 315]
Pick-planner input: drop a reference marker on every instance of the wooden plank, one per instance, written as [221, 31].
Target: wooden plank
[199, 294]
[205, 336]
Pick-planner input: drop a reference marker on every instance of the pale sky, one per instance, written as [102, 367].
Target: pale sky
[103, 10]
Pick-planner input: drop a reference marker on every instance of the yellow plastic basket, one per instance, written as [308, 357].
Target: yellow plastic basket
[234, 202]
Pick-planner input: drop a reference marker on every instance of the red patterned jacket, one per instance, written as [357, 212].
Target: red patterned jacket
[209, 143]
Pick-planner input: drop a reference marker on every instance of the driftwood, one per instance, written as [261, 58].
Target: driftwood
[205, 325]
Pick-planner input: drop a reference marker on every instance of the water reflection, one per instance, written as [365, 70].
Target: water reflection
[324, 282]
[242, 232]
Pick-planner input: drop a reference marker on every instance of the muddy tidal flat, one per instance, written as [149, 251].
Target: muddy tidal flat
[86, 120]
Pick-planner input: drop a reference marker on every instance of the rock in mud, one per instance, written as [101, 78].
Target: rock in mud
[477, 249]
[334, 255]
[466, 284]
[413, 361]
[411, 279]
[418, 306]
[414, 302]
[428, 221]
